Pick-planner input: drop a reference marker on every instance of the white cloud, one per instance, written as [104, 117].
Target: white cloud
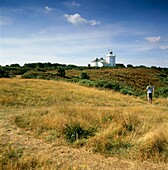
[153, 39]
[72, 3]
[94, 22]
[47, 9]
[5, 21]
[164, 47]
[76, 19]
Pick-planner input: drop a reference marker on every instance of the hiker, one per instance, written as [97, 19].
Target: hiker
[150, 91]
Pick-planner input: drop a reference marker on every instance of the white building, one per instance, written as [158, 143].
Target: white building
[109, 61]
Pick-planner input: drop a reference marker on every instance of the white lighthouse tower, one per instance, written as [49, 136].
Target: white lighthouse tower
[110, 59]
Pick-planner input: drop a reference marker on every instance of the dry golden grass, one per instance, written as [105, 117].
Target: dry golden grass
[123, 126]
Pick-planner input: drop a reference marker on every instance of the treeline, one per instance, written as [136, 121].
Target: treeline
[15, 69]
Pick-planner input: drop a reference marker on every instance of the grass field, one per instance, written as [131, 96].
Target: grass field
[49, 124]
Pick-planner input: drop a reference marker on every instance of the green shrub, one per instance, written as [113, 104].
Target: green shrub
[107, 85]
[30, 74]
[75, 131]
[161, 92]
[86, 82]
[99, 83]
[127, 90]
[74, 79]
[40, 74]
[61, 72]
[4, 73]
[84, 75]
[113, 86]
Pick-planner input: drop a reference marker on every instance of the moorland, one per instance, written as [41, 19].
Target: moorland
[84, 119]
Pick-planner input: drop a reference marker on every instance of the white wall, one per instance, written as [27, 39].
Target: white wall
[112, 61]
[96, 64]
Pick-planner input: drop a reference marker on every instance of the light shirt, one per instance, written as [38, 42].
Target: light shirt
[149, 89]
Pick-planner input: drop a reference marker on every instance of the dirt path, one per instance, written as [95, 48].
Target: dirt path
[62, 155]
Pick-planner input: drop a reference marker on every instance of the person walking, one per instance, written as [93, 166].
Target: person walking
[150, 91]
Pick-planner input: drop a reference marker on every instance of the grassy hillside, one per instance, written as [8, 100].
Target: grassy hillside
[132, 81]
[66, 115]
[135, 79]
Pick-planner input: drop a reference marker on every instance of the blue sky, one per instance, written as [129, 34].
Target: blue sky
[77, 32]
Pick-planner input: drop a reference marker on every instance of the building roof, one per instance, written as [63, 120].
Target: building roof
[99, 60]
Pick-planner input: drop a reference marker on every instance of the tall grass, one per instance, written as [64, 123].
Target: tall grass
[118, 125]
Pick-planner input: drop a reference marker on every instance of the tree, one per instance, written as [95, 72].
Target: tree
[61, 72]
[120, 65]
[30, 65]
[14, 65]
[4, 73]
[129, 66]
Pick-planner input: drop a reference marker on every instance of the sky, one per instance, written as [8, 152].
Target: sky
[76, 32]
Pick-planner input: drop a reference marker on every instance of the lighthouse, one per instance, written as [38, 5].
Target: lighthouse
[110, 59]
[108, 62]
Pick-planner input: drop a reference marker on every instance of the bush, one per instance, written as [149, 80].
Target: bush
[4, 73]
[126, 90]
[99, 83]
[75, 131]
[130, 66]
[30, 74]
[86, 82]
[61, 72]
[107, 85]
[161, 92]
[84, 75]
[113, 86]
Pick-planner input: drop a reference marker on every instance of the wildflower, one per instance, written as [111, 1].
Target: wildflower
[10, 142]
